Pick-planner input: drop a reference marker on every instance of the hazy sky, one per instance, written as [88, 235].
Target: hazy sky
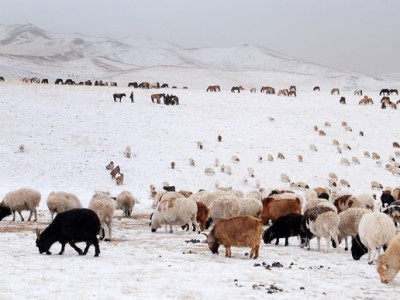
[360, 35]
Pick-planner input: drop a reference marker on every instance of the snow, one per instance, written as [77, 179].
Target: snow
[71, 133]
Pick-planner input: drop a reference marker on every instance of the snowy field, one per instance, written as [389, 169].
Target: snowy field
[71, 133]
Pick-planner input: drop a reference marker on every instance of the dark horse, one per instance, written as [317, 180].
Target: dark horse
[342, 100]
[171, 100]
[118, 96]
[235, 88]
[384, 92]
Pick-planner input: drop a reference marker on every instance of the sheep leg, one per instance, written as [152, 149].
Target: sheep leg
[96, 248]
[13, 219]
[107, 233]
[346, 248]
[77, 249]
[170, 228]
[319, 243]
[286, 241]
[22, 218]
[30, 216]
[62, 249]
[85, 251]
[328, 242]
[277, 241]
[195, 224]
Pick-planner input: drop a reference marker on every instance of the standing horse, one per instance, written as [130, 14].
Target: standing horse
[157, 97]
[316, 89]
[385, 92]
[235, 88]
[119, 96]
[335, 91]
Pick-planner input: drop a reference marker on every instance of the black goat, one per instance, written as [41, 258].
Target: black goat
[283, 227]
[72, 226]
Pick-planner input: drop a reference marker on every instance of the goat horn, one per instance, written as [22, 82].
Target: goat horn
[37, 232]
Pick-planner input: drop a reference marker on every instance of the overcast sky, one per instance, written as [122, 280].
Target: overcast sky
[360, 35]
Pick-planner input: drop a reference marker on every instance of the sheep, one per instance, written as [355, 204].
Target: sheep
[344, 161]
[115, 171]
[375, 156]
[21, 148]
[119, 179]
[319, 202]
[191, 162]
[235, 159]
[335, 143]
[327, 124]
[110, 166]
[321, 132]
[283, 227]
[300, 158]
[310, 194]
[339, 150]
[395, 171]
[397, 153]
[379, 163]
[219, 138]
[127, 152]
[223, 207]
[332, 183]
[319, 221]
[320, 190]
[260, 159]
[270, 157]
[285, 178]
[250, 206]
[315, 128]
[376, 185]
[126, 202]
[271, 119]
[185, 193]
[366, 154]
[391, 158]
[199, 145]
[209, 171]
[254, 194]
[302, 185]
[164, 195]
[58, 202]
[348, 223]
[250, 172]
[280, 156]
[175, 210]
[388, 264]
[201, 217]
[355, 160]
[22, 199]
[103, 206]
[344, 123]
[333, 176]
[313, 147]
[216, 163]
[375, 230]
[240, 231]
[348, 128]
[393, 211]
[361, 133]
[346, 147]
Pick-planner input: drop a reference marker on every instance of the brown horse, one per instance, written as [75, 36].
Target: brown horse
[144, 85]
[342, 100]
[283, 92]
[214, 88]
[157, 97]
[118, 96]
[267, 90]
[292, 93]
[235, 88]
[316, 89]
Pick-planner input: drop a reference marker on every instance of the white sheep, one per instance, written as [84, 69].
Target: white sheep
[335, 143]
[339, 150]
[376, 185]
[313, 202]
[367, 200]
[250, 206]
[104, 207]
[348, 224]
[346, 147]
[285, 178]
[270, 157]
[22, 199]
[199, 145]
[175, 211]
[58, 202]
[191, 162]
[313, 147]
[127, 152]
[209, 171]
[260, 158]
[344, 161]
[366, 154]
[253, 194]
[235, 159]
[126, 202]
[250, 172]
[327, 124]
[333, 176]
[223, 207]
[332, 183]
[355, 160]
[375, 230]
[302, 185]
[208, 198]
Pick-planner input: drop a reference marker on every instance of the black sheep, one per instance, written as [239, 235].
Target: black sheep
[387, 199]
[283, 227]
[72, 226]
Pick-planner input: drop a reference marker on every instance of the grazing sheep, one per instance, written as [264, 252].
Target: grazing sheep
[283, 227]
[223, 207]
[209, 171]
[379, 163]
[327, 124]
[260, 158]
[300, 158]
[58, 202]
[126, 202]
[115, 171]
[321, 132]
[176, 210]
[375, 156]
[302, 185]
[235, 159]
[348, 224]
[346, 147]
[332, 183]
[313, 147]
[208, 198]
[310, 194]
[348, 128]
[344, 123]
[199, 145]
[388, 264]
[318, 202]
[376, 185]
[355, 160]
[270, 157]
[250, 172]
[391, 158]
[103, 206]
[119, 179]
[191, 162]
[344, 161]
[396, 145]
[333, 176]
[335, 143]
[21, 148]
[128, 152]
[201, 218]
[216, 163]
[315, 128]
[366, 154]
[22, 199]
[339, 150]
[110, 166]
[240, 231]
[280, 156]
[285, 178]
[375, 230]
[346, 201]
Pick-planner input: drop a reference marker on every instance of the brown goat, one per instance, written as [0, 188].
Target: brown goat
[114, 172]
[110, 166]
[119, 179]
[240, 231]
[275, 208]
[202, 215]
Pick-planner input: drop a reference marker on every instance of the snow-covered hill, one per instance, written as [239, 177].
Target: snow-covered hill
[28, 50]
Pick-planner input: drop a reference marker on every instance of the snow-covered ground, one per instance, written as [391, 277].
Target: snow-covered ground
[71, 133]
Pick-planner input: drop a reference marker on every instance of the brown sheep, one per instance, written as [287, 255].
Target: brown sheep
[396, 145]
[114, 172]
[119, 179]
[172, 165]
[240, 231]
[273, 208]
[110, 166]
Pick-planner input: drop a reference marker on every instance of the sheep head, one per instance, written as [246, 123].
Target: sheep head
[42, 243]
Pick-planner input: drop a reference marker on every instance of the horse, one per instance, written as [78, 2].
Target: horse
[283, 92]
[292, 88]
[1, 79]
[133, 84]
[342, 100]
[393, 91]
[144, 85]
[335, 91]
[384, 92]
[118, 96]
[45, 81]
[235, 88]
[253, 90]
[358, 92]
[292, 93]
[112, 83]
[59, 81]
[157, 97]
[267, 90]
[164, 86]
[316, 89]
